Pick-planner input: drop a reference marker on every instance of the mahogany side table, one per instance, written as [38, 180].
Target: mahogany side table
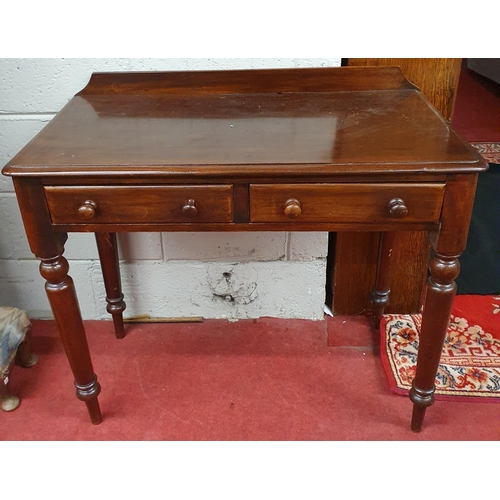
[318, 149]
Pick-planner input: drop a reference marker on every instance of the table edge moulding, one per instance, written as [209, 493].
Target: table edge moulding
[310, 149]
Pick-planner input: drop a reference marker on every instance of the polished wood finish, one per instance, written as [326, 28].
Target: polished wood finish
[316, 132]
[88, 210]
[444, 267]
[138, 203]
[358, 203]
[293, 208]
[108, 255]
[397, 208]
[189, 209]
[382, 288]
[438, 81]
[245, 82]
[48, 246]
[324, 149]
[437, 78]
[64, 303]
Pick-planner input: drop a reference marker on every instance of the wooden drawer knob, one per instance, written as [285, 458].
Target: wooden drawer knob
[397, 208]
[189, 209]
[87, 210]
[292, 208]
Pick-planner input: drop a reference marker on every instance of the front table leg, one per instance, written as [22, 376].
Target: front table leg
[444, 267]
[64, 304]
[441, 289]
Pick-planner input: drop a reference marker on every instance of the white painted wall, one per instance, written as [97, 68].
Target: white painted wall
[163, 274]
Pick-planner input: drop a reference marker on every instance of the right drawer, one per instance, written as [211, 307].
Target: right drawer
[345, 203]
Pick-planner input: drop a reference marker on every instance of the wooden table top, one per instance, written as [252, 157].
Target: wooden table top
[319, 121]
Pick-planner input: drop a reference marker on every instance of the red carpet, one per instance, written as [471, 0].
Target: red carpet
[470, 362]
[265, 380]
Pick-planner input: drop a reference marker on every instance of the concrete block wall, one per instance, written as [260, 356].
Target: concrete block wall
[214, 275]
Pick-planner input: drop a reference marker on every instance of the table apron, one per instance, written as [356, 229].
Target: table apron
[234, 227]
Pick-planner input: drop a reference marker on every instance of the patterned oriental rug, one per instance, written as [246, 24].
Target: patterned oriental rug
[490, 151]
[470, 361]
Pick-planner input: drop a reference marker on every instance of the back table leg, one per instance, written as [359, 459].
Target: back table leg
[381, 290]
[108, 255]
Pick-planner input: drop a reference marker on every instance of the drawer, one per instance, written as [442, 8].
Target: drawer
[367, 203]
[139, 204]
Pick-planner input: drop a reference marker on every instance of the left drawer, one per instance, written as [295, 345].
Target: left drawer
[139, 204]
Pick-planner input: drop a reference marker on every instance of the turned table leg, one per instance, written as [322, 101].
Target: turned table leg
[48, 246]
[64, 303]
[381, 290]
[447, 245]
[441, 289]
[108, 255]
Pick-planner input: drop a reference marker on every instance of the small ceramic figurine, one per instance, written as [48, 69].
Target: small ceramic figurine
[15, 333]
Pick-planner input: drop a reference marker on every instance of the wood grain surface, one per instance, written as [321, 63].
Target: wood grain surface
[344, 149]
[438, 80]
